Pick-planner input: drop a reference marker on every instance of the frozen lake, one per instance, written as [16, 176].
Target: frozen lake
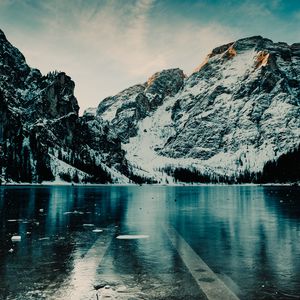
[149, 242]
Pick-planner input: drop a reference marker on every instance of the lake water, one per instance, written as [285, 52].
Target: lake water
[249, 236]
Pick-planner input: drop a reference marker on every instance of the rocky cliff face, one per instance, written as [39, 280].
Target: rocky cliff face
[42, 137]
[231, 120]
[124, 111]
[240, 108]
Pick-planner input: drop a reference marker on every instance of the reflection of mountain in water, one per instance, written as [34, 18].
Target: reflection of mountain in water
[247, 234]
[245, 230]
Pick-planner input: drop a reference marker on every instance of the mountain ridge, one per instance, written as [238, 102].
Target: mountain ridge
[234, 115]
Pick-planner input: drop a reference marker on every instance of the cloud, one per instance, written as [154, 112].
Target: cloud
[109, 46]
[139, 23]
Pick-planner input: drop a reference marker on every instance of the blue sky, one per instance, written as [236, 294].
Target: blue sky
[108, 45]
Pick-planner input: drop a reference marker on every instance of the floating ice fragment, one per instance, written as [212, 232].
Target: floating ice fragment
[11, 250]
[16, 238]
[132, 237]
[88, 225]
[97, 230]
[75, 212]
[44, 238]
[41, 210]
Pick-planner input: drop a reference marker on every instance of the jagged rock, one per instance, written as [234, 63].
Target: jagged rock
[126, 109]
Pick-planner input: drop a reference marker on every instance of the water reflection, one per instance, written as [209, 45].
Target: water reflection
[248, 235]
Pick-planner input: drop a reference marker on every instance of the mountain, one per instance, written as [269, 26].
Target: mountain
[42, 137]
[236, 112]
[234, 119]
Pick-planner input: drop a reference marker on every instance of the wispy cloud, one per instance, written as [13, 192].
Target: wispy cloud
[139, 22]
[108, 45]
[257, 9]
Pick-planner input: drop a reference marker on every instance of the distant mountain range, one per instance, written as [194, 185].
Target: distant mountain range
[235, 119]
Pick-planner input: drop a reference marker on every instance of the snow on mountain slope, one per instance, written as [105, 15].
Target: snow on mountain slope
[109, 106]
[60, 169]
[153, 133]
[126, 109]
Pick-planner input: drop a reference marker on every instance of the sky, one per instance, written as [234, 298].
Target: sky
[109, 45]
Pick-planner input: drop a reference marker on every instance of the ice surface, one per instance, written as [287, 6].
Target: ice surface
[97, 230]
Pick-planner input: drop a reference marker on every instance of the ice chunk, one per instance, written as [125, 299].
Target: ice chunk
[11, 250]
[132, 237]
[97, 230]
[88, 225]
[16, 238]
[75, 212]
[41, 210]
